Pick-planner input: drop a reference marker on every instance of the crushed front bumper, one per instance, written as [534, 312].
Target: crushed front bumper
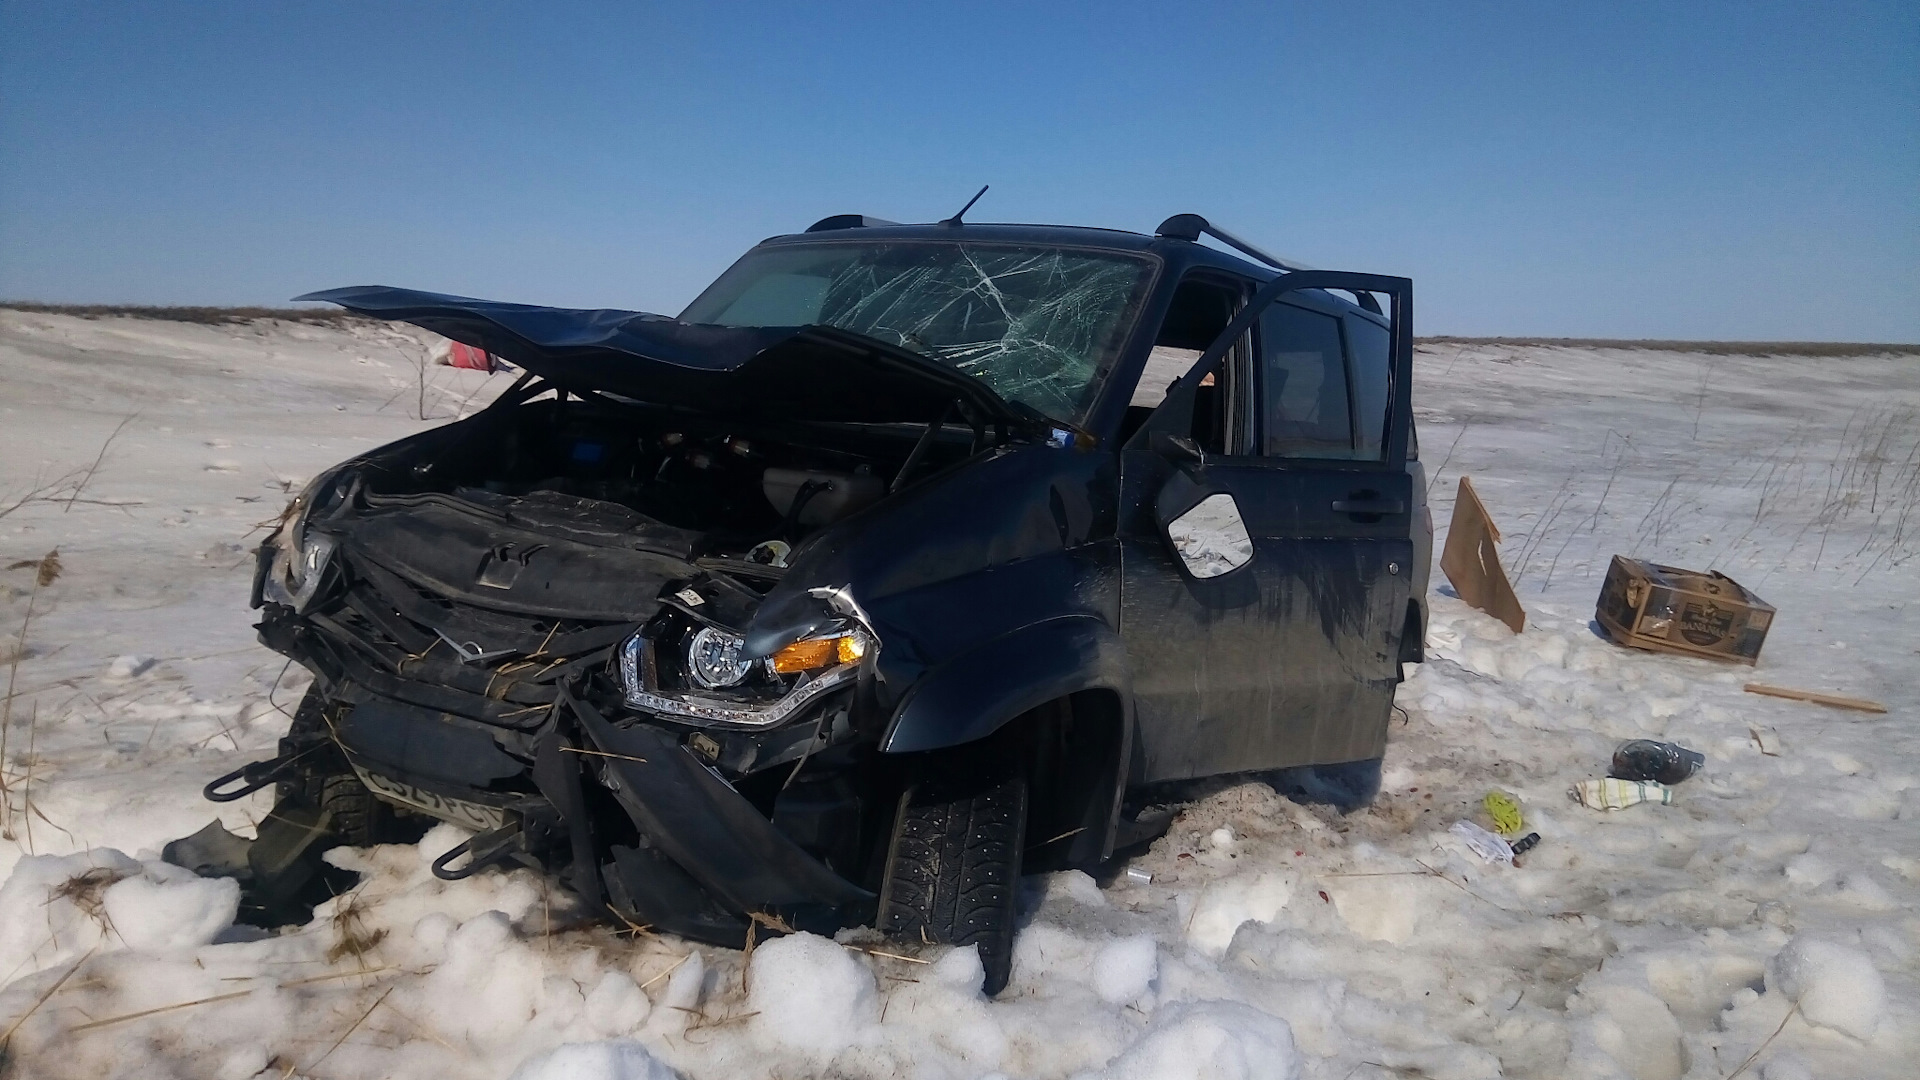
[700, 859]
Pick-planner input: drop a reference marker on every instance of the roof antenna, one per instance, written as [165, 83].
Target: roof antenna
[955, 219]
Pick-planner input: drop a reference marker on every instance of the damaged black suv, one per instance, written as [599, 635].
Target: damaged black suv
[906, 560]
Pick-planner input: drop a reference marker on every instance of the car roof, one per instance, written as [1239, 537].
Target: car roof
[1178, 254]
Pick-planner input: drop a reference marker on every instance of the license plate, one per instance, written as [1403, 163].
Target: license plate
[478, 817]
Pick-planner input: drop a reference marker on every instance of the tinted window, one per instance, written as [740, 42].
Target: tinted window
[1372, 367]
[1303, 385]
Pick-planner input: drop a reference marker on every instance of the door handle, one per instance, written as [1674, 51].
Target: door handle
[1366, 502]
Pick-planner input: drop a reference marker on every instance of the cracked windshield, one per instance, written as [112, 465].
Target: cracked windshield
[1038, 325]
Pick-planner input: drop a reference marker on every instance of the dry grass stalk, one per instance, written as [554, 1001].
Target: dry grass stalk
[1755, 1056]
[7, 1038]
[87, 474]
[675, 967]
[755, 920]
[46, 571]
[91, 1024]
[87, 890]
[352, 937]
[350, 1030]
[886, 955]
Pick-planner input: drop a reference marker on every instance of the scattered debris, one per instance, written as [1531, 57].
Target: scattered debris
[1644, 759]
[1616, 794]
[1664, 608]
[1503, 808]
[1526, 843]
[1835, 700]
[1473, 565]
[1489, 846]
[1139, 876]
[1767, 739]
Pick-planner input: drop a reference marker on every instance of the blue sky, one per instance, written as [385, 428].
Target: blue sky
[1676, 169]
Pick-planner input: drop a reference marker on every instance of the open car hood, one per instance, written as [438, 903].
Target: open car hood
[789, 372]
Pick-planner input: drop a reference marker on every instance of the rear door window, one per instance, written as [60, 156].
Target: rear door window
[1303, 374]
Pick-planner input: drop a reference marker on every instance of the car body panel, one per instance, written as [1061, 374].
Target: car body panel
[1029, 568]
[814, 372]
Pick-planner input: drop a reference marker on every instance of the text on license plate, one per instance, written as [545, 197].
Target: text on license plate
[468, 815]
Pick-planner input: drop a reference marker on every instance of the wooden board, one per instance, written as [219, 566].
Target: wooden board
[1471, 560]
[1835, 700]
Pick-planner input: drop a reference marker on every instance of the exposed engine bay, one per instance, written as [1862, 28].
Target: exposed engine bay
[466, 597]
[737, 488]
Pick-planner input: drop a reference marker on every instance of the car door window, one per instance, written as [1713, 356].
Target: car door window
[1223, 409]
[1369, 360]
[1304, 396]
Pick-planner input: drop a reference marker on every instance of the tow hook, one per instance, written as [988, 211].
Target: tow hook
[486, 850]
[256, 774]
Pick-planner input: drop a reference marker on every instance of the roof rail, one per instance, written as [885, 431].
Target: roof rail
[848, 221]
[1192, 226]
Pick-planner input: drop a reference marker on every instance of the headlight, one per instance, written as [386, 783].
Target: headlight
[301, 556]
[815, 653]
[713, 659]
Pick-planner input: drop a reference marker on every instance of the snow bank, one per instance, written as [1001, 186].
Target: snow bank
[1208, 1040]
[56, 908]
[808, 993]
[615, 1059]
[1271, 940]
[1835, 985]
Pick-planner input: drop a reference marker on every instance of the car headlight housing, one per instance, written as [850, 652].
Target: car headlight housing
[301, 555]
[671, 669]
[713, 659]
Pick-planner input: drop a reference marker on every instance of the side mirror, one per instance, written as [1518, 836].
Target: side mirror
[1211, 538]
[1178, 448]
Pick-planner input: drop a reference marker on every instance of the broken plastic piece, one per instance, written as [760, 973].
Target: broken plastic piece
[211, 852]
[1489, 846]
[1767, 739]
[1616, 794]
[1644, 759]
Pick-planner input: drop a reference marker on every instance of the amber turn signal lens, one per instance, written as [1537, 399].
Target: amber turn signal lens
[804, 656]
[849, 649]
[818, 653]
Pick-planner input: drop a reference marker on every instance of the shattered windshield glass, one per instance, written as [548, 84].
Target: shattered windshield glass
[1037, 324]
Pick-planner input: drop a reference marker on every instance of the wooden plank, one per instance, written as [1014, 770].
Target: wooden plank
[1835, 700]
[1472, 562]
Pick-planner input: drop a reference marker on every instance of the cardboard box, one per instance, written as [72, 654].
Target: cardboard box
[1649, 606]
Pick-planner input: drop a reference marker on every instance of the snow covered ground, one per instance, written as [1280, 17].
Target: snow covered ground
[1771, 909]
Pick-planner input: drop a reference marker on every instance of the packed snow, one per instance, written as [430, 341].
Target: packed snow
[1763, 924]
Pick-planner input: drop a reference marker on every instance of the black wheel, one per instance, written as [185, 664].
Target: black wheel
[323, 780]
[309, 742]
[953, 868]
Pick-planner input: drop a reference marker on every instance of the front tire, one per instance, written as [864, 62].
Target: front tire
[953, 868]
[325, 782]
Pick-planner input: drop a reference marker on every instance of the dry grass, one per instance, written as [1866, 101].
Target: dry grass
[46, 571]
[209, 316]
[352, 936]
[1710, 348]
